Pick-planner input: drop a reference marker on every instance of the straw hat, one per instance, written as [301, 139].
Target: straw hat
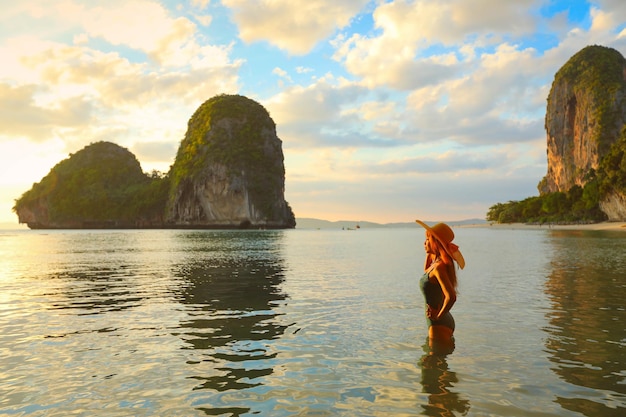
[444, 235]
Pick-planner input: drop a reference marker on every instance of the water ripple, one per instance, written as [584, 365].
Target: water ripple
[309, 323]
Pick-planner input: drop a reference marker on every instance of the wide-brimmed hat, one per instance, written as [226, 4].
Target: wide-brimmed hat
[444, 235]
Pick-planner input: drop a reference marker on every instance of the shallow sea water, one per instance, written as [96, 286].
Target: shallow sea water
[308, 323]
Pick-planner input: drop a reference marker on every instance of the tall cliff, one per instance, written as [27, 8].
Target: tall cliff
[229, 169]
[585, 114]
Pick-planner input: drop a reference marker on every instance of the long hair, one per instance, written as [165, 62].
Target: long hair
[445, 258]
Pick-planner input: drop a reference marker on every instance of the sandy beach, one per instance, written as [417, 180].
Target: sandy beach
[593, 226]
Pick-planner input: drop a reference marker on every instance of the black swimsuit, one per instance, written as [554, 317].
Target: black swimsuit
[434, 298]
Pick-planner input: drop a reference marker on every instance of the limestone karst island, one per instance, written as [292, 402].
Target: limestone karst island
[586, 145]
[228, 173]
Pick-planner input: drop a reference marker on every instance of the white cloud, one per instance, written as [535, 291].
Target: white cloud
[282, 74]
[72, 85]
[453, 21]
[204, 20]
[325, 114]
[617, 8]
[200, 4]
[21, 116]
[157, 151]
[76, 91]
[395, 56]
[451, 162]
[143, 25]
[292, 25]
[139, 24]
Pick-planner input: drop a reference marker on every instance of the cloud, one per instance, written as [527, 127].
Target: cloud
[501, 100]
[117, 81]
[395, 55]
[399, 71]
[139, 24]
[200, 4]
[155, 151]
[617, 9]
[325, 114]
[282, 74]
[293, 26]
[463, 84]
[144, 26]
[448, 162]
[21, 116]
[453, 21]
[403, 199]
[83, 92]
[204, 20]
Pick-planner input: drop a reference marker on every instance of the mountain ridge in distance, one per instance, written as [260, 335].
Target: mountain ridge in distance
[312, 223]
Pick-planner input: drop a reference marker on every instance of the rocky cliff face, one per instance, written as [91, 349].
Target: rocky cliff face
[229, 169]
[585, 113]
[614, 206]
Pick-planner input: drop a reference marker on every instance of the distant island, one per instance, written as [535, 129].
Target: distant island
[228, 173]
[586, 146]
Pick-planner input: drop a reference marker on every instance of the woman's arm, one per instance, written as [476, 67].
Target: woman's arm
[428, 261]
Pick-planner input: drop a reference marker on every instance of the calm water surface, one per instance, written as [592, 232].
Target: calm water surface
[308, 323]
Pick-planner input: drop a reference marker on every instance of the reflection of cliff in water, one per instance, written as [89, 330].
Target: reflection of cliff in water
[586, 336]
[96, 290]
[231, 284]
[93, 272]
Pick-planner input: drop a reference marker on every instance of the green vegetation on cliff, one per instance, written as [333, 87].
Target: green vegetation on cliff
[612, 168]
[579, 203]
[599, 71]
[229, 130]
[230, 143]
[103, 182]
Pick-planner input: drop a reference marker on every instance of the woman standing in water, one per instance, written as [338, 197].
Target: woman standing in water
[439, 283]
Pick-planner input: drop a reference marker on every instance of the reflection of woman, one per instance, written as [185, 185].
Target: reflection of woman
[439, 281]
[437, 381]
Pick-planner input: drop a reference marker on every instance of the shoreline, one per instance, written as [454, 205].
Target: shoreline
[621, 226]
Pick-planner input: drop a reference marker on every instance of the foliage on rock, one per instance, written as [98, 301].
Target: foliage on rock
[228, 172]
[612, 169]
[236, 151]
[103, 182]
[233, 131]
[597, 74]
[598, 71]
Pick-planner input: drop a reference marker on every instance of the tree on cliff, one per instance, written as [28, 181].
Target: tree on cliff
[102, 183]
[585, 119]
[612, 169]
[229, 168]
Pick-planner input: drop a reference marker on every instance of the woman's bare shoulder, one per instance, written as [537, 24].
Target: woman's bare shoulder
[440, 268]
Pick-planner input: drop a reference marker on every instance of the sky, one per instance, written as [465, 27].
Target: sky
[388, 111]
